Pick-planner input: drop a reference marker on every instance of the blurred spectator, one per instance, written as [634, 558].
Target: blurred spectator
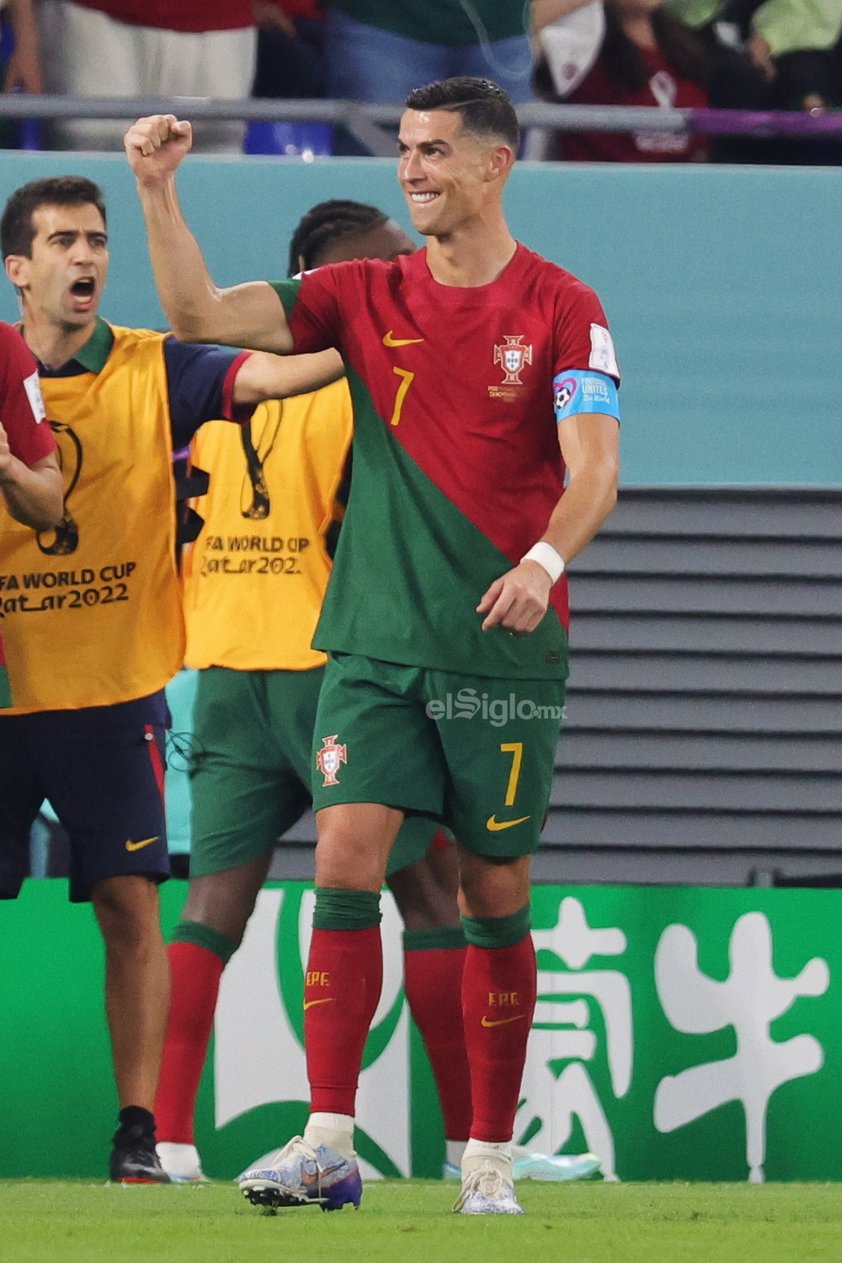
[566, 37]
[22, 67]
[641, 55]
[290, 48]
[379, 50]
[792, 42]
[197, 48]
[795, 44]
[789, 45]
[836, 72]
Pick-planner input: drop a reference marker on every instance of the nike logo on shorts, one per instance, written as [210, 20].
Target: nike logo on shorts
[309, 1004]
[494, 825]
[501, 1021]
[138, 846]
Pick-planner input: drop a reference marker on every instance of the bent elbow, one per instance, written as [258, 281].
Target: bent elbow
[195, 318]
[189, 329]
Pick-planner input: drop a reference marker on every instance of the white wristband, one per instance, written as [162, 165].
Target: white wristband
[546, 556]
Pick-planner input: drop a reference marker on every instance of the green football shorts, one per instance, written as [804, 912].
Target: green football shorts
[250, 768]
[474, 752]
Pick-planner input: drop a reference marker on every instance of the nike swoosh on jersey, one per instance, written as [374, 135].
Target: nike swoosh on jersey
[501, 1021]
[309, 1004]
[494, 825]
[388, 340]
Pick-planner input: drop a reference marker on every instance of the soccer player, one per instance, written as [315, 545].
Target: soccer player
[30, 479]
[277, 487]
[92, 618]
[481, 375]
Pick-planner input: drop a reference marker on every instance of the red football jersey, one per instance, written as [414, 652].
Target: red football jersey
[21, 405]
[457, 466]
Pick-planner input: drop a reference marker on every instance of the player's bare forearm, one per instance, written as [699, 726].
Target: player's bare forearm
[590, 447]
[587, 502]
[249, 315]
[34, 495]
[518, 600]
[263, 376]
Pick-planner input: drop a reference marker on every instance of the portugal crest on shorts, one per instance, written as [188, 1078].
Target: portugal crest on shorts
[512, 356]
[329, 759]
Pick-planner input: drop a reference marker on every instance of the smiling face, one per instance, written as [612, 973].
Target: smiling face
[62, 280]
[449, 176]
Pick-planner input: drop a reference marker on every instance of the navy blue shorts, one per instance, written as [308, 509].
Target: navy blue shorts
[102, 768]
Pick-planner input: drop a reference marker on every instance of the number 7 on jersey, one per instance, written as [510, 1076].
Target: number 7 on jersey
[406, 381]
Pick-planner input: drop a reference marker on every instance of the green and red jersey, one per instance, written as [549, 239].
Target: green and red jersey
[457, 465]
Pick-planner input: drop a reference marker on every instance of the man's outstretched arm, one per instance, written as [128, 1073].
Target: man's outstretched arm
[247, 315]
[265, 376]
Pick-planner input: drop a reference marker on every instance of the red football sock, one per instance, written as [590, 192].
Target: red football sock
[195, 985]
[341, 991]
[433, 984]
[498, 1000]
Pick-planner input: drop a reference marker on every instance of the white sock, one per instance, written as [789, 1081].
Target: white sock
[453, 1151]
[334, 1131]
[179, 1159]
[499, 1154]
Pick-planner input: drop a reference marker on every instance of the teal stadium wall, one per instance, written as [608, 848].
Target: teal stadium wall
[721, 285]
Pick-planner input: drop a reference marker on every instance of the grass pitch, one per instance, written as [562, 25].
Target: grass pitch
[80, 1222]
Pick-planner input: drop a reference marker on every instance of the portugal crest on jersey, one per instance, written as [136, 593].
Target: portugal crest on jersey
[512, 355]
[330, 758]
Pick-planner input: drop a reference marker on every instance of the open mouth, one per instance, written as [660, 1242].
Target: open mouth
[83, 288]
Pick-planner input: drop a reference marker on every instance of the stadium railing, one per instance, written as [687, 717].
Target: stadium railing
[366, 122]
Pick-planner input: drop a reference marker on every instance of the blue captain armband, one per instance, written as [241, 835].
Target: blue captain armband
[583, 390]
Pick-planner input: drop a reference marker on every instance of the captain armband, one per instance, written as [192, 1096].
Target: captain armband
[582, 390]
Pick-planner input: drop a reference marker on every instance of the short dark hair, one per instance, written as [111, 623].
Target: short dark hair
[486, 108]
[328, 222]
[17, 231]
